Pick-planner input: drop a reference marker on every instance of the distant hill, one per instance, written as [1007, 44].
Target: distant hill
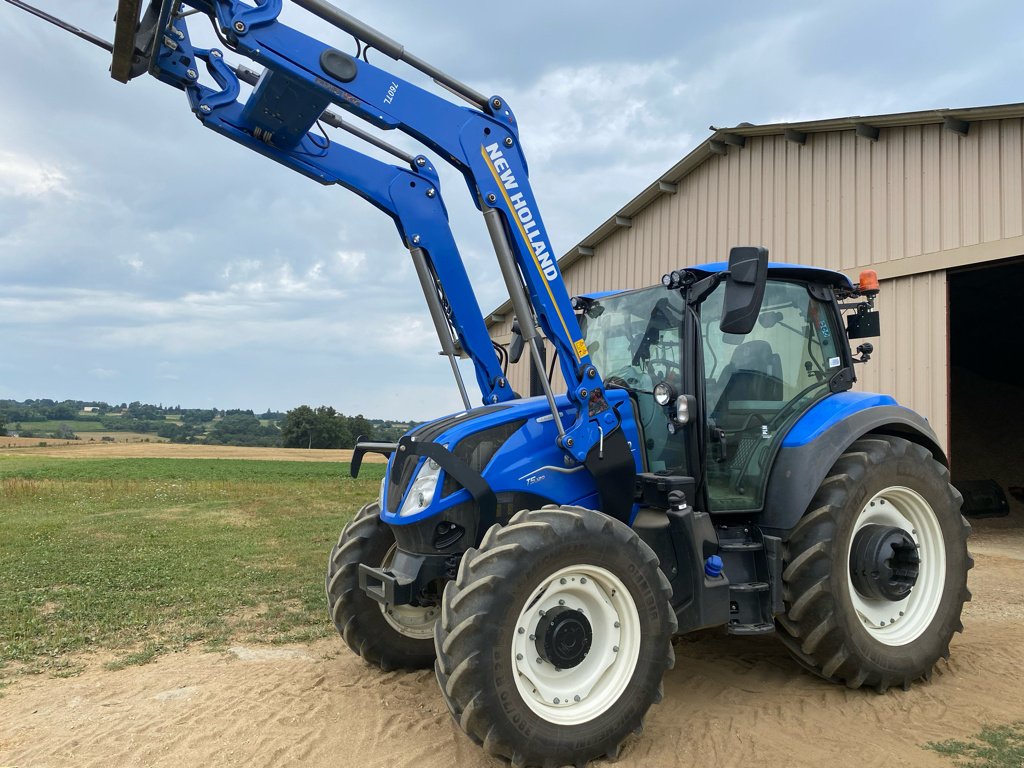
[93, 419]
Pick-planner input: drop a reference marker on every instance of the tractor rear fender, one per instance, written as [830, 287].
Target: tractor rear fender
[820, 437]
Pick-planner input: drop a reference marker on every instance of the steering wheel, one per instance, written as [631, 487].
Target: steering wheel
[668, 366]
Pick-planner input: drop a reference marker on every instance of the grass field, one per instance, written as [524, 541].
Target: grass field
[40, 427]
[137, 556]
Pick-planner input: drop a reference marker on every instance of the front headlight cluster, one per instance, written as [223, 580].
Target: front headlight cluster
[422, 490]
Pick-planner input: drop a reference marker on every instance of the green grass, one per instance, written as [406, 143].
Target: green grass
[144, 556]
[998, 746]
[52, 426]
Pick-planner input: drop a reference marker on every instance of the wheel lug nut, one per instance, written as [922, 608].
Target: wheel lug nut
[556, 700]
[617, 625]
[583, 580]
[561, 581]
[575, 698]
[519, 657]
[533, 637]
[520, 630]
[540, 660]
[615, 649]
[561, 602]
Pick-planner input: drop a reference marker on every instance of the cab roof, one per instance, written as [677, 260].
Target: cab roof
[775, 269]
[780, 269]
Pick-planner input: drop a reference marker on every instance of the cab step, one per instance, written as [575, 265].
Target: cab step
[748, 630]
[749, 586]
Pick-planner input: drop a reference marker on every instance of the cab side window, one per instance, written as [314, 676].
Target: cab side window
[758, 384]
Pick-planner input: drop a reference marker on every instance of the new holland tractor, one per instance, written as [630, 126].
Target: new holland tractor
[709, 464]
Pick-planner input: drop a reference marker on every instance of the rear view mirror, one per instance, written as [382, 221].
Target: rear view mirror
[744, 291]
[515, 348]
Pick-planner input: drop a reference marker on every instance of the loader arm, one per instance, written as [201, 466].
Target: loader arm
[411, 197]
[304, 75]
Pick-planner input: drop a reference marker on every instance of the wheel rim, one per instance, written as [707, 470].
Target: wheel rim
[588, 601]
[898, 622]
[412, 621]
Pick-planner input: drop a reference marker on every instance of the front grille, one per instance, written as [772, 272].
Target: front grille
[478, 449]
[403, 463]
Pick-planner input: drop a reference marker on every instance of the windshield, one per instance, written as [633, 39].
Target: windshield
[634, 340]
[634, 337]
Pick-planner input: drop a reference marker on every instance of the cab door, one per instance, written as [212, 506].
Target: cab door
[757, 385]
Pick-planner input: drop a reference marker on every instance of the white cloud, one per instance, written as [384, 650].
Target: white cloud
[134, 262]
[22, 177]
[350, 263]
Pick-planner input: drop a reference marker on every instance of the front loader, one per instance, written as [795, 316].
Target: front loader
[708, 465]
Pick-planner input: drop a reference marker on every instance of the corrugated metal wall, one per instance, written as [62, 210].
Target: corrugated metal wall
[843, 202]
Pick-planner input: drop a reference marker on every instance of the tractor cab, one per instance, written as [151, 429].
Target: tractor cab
[713, 403]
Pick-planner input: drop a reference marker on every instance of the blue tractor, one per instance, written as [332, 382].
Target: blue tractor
[709, 464]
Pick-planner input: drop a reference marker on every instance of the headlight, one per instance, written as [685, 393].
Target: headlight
[685, 407]
[664, 393]
[421, 491]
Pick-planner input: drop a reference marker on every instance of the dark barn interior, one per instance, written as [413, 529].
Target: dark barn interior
[986, 315]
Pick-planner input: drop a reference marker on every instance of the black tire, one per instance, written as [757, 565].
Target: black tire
[494, 597]
[359, 619]
[829, 625]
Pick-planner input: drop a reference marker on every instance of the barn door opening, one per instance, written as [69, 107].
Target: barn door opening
[986, 346]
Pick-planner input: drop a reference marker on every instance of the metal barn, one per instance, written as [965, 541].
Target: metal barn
[933, 201]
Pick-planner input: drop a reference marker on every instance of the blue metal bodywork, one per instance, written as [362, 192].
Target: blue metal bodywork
[528, 461]
[783, 270]
[825, 414]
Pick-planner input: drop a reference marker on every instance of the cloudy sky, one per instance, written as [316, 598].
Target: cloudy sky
[145, 258]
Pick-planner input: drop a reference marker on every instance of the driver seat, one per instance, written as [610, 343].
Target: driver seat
[754, 373]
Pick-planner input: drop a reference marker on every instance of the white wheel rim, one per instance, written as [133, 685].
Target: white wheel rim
[900, 622]
[409, 620]
[581, 693]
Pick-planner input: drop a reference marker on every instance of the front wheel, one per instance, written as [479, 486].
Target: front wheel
[875, 573]
[389, 636]
[554, 637]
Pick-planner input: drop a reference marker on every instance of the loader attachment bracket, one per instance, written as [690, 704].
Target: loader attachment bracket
[133, 41]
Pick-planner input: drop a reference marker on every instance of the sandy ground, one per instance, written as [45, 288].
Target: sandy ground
[97, 450]
[729, 702]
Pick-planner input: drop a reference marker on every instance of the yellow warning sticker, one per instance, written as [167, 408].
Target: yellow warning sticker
[581, 349]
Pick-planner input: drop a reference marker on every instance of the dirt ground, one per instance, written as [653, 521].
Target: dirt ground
[96, 450]
[729, 702]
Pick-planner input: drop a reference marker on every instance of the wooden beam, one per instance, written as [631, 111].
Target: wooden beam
[956, 125]
[733, 139]
[866, 131]
[795, 136]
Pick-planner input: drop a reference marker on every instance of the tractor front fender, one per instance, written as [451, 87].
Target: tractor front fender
[820, 437]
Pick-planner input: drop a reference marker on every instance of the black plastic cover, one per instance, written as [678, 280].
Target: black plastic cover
[863, 325]
[339, 65]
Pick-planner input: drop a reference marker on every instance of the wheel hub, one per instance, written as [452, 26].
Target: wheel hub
[884, 562]
[564, 637]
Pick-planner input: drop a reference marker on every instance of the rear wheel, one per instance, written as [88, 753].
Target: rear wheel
[554, 637]
[389, 636]
[875, 573]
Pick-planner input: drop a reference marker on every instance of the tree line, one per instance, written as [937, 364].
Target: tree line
[301, 427]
